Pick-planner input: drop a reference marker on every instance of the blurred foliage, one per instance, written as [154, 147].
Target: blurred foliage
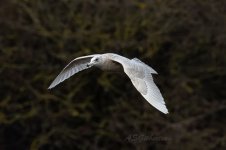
[185, 41]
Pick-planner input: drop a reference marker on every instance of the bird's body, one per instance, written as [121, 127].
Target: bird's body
[139, 73]
[107, 64]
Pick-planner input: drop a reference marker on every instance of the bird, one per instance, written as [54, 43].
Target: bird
[139, 73]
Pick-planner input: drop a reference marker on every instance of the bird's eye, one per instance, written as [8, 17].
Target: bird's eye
[96, 59]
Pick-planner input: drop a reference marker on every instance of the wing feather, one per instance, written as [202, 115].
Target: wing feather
[149, 91]
[76, 65]
[140, 75]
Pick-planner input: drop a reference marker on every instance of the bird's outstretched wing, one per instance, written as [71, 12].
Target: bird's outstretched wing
[141, 76]
[149, 91]
[76, 65]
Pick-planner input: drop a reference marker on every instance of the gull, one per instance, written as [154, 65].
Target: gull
[139, 73]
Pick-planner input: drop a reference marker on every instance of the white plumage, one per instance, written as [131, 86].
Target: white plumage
[139, 73]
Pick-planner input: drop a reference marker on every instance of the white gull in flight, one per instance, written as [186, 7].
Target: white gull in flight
[139, 73]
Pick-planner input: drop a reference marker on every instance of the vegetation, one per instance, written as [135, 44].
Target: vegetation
[184, 41]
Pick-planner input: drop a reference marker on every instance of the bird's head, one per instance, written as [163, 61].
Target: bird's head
[95, 61]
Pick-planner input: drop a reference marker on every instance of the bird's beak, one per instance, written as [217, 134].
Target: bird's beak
[89, 65]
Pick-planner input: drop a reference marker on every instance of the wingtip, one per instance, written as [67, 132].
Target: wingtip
[163, 109]
[51, 86]
[166, 112]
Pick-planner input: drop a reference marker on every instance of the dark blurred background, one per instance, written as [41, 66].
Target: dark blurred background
[184, 41]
